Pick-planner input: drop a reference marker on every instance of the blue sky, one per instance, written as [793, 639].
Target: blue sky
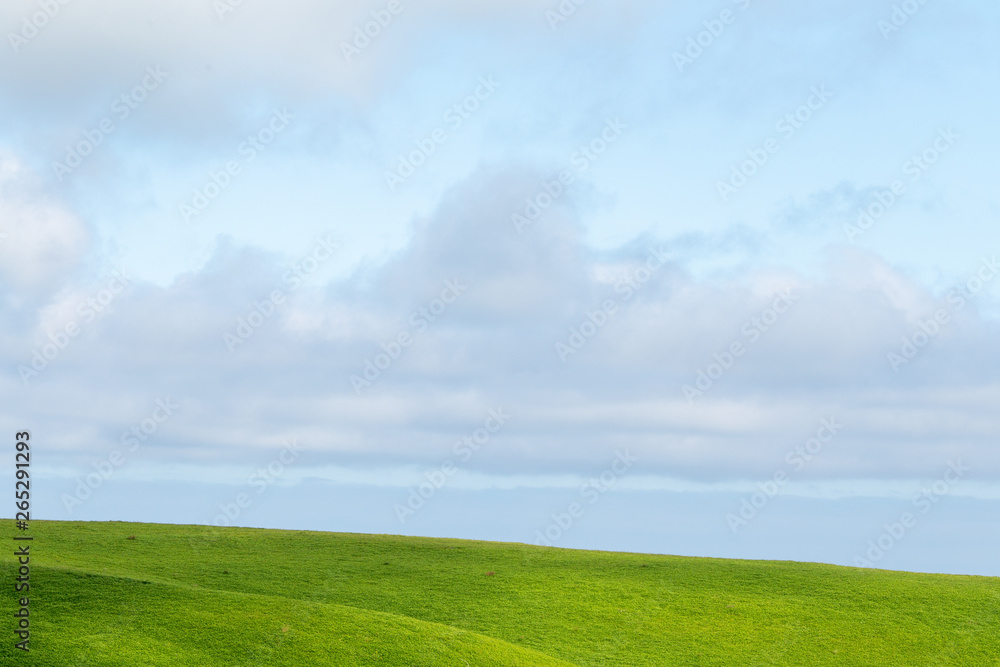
[635, 231]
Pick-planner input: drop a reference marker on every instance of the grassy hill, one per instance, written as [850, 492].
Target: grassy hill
[195, 595]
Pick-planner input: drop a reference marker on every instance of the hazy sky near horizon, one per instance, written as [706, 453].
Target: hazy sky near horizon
[741, 241]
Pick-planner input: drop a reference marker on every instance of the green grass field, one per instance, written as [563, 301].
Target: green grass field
[200, 596]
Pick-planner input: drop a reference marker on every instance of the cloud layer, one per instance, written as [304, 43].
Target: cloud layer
[589, 351]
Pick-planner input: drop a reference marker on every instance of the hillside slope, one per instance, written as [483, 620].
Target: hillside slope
[198, 595]
[87, 620]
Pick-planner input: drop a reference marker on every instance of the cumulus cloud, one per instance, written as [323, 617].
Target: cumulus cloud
[41, 241]
[811, 349]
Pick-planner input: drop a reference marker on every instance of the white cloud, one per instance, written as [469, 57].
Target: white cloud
[495, 345]
[41, 241]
